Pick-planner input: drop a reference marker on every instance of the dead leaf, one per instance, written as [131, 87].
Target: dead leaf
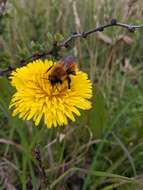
[127, 67]
[104, 38]
[126, 39]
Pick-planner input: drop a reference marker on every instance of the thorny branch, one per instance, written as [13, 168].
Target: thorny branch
[57, 46]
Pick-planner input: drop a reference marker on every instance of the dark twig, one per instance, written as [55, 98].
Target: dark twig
[6, 71]
[57, 46]
[130, 28]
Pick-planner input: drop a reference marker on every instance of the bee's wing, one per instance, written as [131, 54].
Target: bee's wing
[67, 62]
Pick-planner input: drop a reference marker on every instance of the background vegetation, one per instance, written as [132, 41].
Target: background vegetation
[103, 150]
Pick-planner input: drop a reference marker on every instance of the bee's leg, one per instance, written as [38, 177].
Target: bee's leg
[49, 69]
[60, 81]
[69, 82]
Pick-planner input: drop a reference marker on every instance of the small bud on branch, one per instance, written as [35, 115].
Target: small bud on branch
[57, 46]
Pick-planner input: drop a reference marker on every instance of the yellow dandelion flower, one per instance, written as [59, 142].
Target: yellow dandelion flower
[36, 98]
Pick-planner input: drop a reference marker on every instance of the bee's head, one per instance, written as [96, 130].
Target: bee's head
[72, 72]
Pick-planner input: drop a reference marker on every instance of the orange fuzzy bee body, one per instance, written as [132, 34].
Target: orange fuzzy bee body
[62, 70]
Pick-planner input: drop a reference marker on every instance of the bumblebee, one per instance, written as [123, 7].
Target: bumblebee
[62, 70]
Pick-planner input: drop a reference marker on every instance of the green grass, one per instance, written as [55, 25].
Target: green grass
[103, 149]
